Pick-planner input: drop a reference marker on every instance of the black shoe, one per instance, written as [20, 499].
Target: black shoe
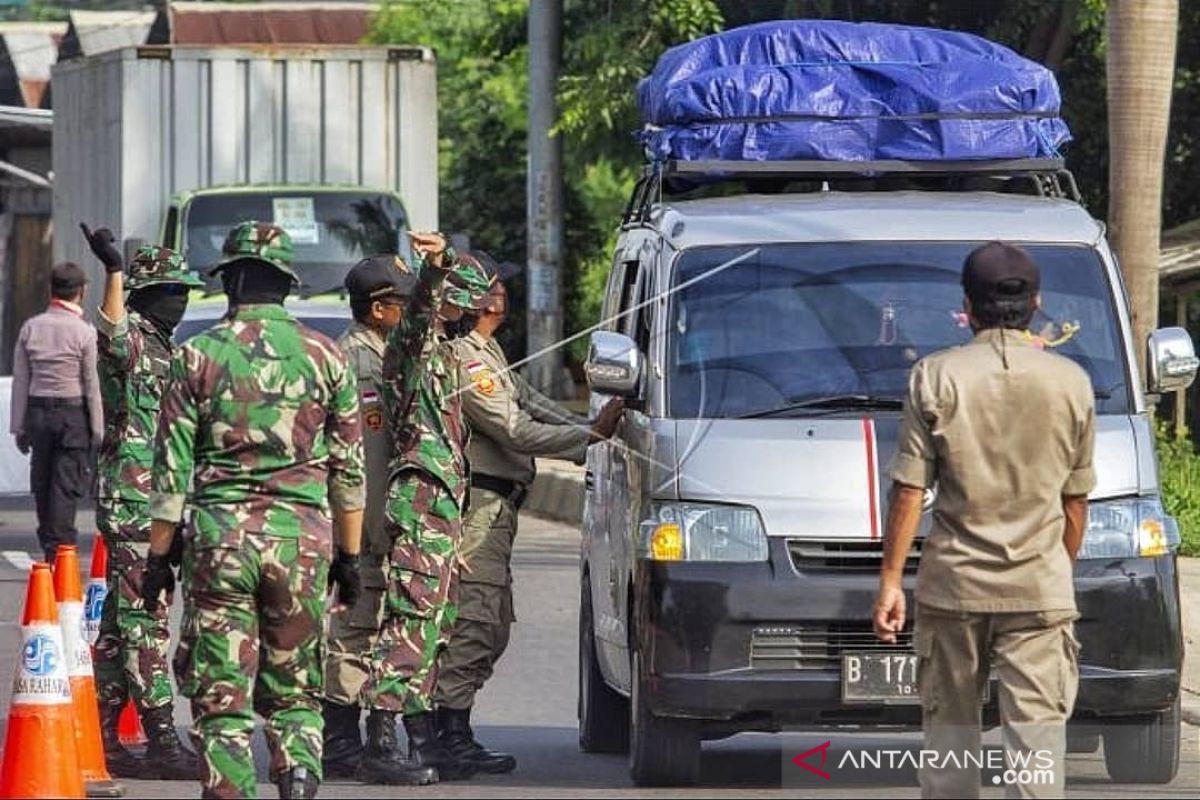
[343, 743]
[297, 782]
[120, 762]
[166, 756]
[425, 749]
[381, 761]
[456, 735]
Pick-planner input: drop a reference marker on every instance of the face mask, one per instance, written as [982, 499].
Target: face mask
[163, 305]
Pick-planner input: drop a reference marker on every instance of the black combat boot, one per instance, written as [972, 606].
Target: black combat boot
[121, 763]
[455, 732]
[381, 761]
[343, 743]
[425, 749]
[165, 754]
[297, 782]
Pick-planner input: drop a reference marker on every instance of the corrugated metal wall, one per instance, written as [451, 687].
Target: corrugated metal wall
[134, 127]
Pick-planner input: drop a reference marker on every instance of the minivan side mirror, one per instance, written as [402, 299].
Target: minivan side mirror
[614, 364]
[1170, 360]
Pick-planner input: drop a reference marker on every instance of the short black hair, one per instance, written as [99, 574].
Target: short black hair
[66, 280]
[1015, 314]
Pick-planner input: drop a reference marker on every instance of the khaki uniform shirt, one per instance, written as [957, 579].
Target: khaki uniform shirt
[364, 350]
[1004, 430]
[510, 421]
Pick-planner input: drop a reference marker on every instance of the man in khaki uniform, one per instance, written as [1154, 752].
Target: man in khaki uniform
[378, 288]
[1005, 431]
[510, 424]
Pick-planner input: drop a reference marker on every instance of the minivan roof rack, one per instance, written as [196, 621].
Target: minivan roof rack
[1045, 177]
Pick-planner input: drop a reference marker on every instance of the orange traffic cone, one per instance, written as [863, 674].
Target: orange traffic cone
[96, 780]
[129, 727]
[40, 758]
[97, 589]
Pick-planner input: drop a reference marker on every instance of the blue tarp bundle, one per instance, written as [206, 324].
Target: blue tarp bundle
[844, 91]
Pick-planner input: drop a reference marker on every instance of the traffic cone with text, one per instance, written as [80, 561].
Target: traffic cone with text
[129, 726]
[40, 755]
[96, 780]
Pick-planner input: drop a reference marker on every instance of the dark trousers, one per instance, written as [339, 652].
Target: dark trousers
[60, 468]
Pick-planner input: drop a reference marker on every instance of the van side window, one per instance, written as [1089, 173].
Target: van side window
[629, 282]
[169, 227]
[637, 325]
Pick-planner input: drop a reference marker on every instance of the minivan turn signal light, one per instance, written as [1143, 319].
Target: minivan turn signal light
[666, 543]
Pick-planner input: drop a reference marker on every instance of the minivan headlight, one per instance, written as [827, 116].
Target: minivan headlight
[1129, 528]
[703, 532]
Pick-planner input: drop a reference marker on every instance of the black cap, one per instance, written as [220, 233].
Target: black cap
[997, 272]
[67, 277]
[380, 276]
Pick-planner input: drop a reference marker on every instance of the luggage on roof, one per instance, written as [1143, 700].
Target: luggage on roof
[843, 91]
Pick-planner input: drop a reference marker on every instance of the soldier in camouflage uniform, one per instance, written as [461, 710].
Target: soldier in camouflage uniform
[263, 413]
[135, 352]
[379, 288]
[426, 494]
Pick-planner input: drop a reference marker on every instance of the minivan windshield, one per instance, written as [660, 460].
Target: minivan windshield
[331, 231]
[835, 327]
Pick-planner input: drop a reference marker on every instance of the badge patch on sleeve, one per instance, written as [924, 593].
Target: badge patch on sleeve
[372, 411]
[484, 382]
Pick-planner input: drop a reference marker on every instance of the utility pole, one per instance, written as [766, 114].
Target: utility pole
[544, 198]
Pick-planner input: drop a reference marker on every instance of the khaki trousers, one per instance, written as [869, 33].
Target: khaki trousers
[1036, 657]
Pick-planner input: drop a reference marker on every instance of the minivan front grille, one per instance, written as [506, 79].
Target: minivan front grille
[817, 647]
[845, 556]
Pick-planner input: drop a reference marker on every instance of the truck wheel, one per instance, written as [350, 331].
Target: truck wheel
[662, 752]
[603, 712]
[1146, 751]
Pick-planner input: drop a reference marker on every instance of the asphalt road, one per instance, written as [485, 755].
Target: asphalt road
[529, 708]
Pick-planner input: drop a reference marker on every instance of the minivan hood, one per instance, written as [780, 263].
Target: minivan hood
[826, 478]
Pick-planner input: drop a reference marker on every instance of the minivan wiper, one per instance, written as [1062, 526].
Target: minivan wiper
[841, 402]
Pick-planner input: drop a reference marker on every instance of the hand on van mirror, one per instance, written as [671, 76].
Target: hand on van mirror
[102, 241]
[606, 421]
[430, 246]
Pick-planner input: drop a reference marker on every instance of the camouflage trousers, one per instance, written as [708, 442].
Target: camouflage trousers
[252, 642]
[351, 637]
[131, 649]
[419, 607]
[485, 603]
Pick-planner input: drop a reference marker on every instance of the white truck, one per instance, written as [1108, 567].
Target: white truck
[175, 145]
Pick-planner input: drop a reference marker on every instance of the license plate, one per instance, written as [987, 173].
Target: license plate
[886, 678]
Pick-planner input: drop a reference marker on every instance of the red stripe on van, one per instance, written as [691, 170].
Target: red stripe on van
[872, 476]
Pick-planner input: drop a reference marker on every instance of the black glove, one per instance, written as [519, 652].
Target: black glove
[344, 574]
[23, 444]
[156, 579]
[175, 554]
[101, 242]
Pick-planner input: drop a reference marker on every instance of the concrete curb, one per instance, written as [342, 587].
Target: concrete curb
[557, 492]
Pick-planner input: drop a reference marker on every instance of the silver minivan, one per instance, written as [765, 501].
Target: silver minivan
[731, 535]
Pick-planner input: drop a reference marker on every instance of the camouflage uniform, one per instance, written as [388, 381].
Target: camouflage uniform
[426, 492]
[264, 413]
[134, 359]
[353, 631]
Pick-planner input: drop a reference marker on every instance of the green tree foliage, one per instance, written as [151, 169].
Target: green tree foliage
[608, 45]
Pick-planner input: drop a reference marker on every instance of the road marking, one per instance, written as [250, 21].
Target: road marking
[18, 558]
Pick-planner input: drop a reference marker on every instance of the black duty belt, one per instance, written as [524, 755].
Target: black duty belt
[511, 491]
[56, 402]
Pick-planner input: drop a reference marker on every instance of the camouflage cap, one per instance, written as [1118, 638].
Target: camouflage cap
[467, 284]
[152, 266]
[258, 241]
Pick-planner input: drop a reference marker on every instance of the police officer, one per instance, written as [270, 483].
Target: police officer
[1005, 430]
[510, 424]
[379, 287]
[135, 351]
[426, 492]
[263, 413]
